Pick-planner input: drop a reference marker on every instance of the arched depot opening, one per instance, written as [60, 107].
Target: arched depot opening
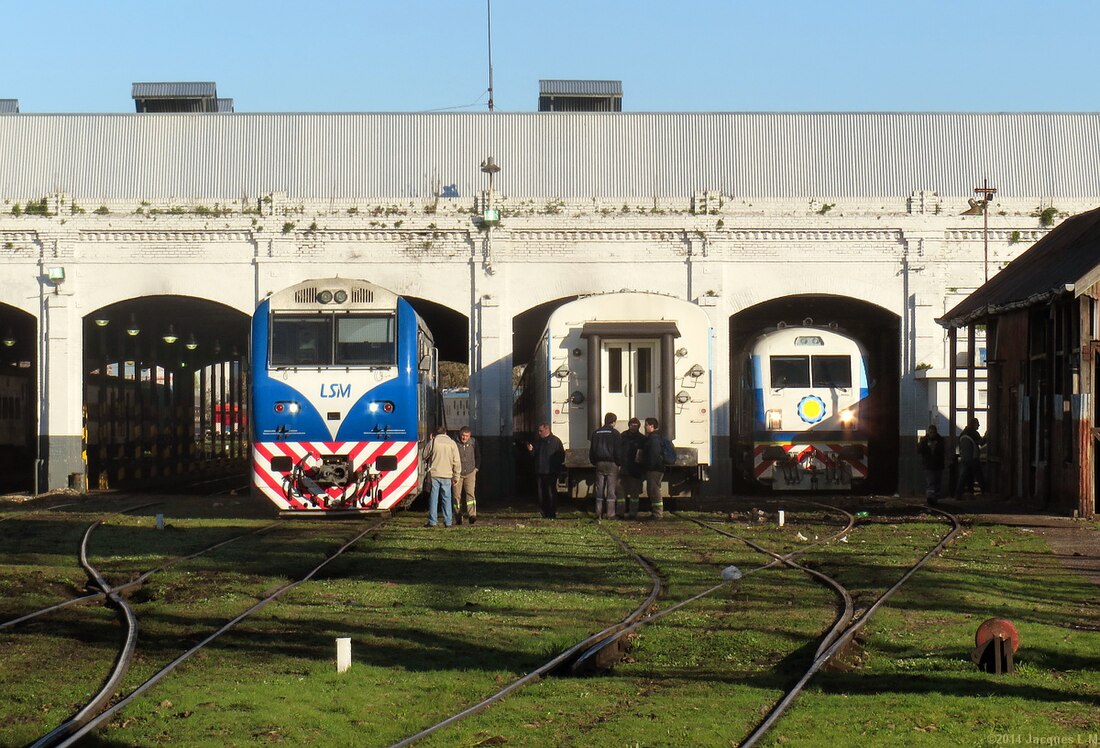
[165, 392]
[18, 399]
[528, 328]
[879, 332]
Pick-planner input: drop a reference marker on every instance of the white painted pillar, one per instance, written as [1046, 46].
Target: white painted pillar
[61, 388]
[491, 369]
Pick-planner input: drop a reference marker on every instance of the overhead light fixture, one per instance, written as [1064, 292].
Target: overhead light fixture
[170, 336]
[8, 340]
[102, 321]
[977, 207]
[191, 343]
[133, 329]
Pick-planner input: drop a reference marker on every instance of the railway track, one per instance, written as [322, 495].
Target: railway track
[94, 711]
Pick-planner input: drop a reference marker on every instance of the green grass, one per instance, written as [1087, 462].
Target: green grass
[439, 619]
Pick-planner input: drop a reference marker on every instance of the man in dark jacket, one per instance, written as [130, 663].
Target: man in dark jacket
[970, 459]
[605, 453]
[633, 471]
[654, 465]
[549, 457]
[930, 449]
[469, 454]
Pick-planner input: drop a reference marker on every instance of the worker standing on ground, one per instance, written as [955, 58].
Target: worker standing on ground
[469, 454]
[605, 454]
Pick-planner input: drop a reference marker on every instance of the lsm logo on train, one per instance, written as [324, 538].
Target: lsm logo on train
[335, 390]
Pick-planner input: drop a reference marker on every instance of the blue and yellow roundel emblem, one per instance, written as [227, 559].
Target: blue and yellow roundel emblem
[811, 409]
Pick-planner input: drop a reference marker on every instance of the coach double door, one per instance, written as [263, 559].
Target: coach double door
[630, 378]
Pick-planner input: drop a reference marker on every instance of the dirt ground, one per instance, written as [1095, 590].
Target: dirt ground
[1075, 542]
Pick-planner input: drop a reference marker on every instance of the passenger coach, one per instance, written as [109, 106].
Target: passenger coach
[344, 397]
[636, 355]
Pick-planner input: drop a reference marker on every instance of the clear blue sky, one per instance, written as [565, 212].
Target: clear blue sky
[701, 55]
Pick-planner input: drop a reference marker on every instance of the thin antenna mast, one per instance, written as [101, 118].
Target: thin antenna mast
[489, 21]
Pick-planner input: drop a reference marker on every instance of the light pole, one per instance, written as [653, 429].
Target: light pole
[981, 205]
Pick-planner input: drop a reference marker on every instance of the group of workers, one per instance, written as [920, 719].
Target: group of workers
[933, 460]
[623, 463]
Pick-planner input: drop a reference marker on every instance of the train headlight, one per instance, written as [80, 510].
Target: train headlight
[848, 417]
[325, 297]
[385, 406]
[774, 419]
[287, 407]
[340, 297]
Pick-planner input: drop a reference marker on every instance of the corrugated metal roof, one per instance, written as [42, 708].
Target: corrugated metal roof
[9, 106]
[174, 90]
[1053, 266]
[580, 88]
[567, 155]
[224, 105]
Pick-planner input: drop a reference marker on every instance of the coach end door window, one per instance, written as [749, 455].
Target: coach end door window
[629, 374]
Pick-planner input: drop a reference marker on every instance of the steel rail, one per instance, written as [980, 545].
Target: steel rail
[127, 586]
[35, 510]
[125, 654]
[551, 665]
[110, 712]
[581, 662]
[846, 637]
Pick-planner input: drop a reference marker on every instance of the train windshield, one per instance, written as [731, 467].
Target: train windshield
[790, 371]
[832, 371]
[365, 341]
[327, 340]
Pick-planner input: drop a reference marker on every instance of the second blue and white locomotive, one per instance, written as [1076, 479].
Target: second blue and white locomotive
[344, 396]
[807, 387]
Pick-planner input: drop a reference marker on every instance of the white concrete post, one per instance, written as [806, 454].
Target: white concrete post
[343, 654]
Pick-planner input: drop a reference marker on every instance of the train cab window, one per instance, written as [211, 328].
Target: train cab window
[615, 369]
[301, 341]
[365, 341]
[832, 371]
[644, 376]
[790, 371]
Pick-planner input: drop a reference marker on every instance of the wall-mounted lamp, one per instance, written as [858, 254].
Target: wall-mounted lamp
[133, 329]
[191, 343]
[561, 372]
[170, 336]
[683, 397]
[696, 371]
[56, 276]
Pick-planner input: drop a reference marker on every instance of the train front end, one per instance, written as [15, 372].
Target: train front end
[809, 387]
[335, 397]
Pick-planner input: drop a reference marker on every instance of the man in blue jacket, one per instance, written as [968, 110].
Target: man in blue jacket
[605, 454]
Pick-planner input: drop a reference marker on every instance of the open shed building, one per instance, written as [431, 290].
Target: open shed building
[1040, 318]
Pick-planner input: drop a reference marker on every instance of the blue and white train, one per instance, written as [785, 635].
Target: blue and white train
[807, 386]
[344, 397]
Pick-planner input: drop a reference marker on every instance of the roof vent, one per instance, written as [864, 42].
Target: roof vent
[179, 97]
[9, 106]
[580, 96]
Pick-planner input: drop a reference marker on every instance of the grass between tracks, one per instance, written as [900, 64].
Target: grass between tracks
[442, 618]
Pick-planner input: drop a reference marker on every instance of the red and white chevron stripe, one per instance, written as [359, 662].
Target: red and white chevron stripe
[814, 451]
[394, 485]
